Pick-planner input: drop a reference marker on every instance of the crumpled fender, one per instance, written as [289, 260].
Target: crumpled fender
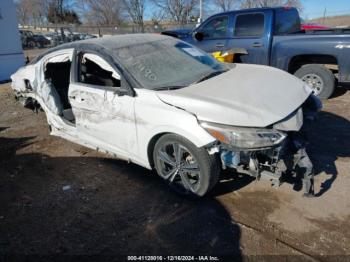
[27, 72]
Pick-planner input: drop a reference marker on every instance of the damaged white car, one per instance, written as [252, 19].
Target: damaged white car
[164, 104]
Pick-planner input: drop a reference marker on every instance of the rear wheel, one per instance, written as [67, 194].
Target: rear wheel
[319, 78]
[189, 170]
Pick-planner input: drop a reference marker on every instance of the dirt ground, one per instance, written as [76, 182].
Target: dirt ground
[58, 198]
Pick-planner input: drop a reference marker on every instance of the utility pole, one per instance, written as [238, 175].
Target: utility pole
[200, 18]
[324, 15]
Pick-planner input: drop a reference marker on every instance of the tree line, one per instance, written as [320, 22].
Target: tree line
[121, 12]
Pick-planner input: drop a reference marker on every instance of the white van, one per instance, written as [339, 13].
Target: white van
[11, 52]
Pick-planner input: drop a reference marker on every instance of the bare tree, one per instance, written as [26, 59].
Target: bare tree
[295, 3]
[259, 3]
[23, 11]
[227, 5]
[177, 10]
[135, 9]
[32, 11]
[101, 12]
[272, 3]
[158, 15]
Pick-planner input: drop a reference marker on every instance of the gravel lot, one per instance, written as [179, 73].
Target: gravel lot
[57, 197]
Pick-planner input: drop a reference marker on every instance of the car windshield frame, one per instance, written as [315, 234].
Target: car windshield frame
[145, 61]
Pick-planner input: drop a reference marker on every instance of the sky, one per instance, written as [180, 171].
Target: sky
[316, 8]
[312, 8]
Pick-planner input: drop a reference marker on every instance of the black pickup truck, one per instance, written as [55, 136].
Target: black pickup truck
[272, 36]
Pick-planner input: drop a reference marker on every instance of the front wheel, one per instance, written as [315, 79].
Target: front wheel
[319, 78]
[189, 170]
[31, 44]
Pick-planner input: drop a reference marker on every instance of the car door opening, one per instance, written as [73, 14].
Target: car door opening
[57, 77]
[96, 71]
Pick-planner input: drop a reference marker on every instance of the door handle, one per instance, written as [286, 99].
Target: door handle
[220, 45]
[257, 44]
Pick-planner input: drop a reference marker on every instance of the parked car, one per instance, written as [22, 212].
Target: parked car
[30, 40]
[162, 103]
[272, 36]
[49, 36]
[83, 36]
[62, 35]
[41, 41]
[27, 38]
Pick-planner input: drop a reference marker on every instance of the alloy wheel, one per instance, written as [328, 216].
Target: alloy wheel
[179, 167]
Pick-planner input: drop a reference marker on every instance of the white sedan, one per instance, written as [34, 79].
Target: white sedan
[164, 104]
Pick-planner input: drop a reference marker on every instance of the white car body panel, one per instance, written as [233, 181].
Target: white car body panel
[154, 117]
[103, 115]
[27, 72]
[236, 98]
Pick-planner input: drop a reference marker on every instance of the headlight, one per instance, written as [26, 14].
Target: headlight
[244, 138]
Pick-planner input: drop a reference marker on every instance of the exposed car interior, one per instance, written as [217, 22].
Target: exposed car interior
[96, 71]
[93, 71]
[57, 77]
[58, 74]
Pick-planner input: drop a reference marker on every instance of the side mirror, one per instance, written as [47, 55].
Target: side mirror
[121, 91]
[125, 89]
[199, 36]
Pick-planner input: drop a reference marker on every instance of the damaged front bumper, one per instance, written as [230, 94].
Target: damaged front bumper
[274, 164]
[285, 156]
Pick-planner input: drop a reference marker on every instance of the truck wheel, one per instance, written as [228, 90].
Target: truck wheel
[319, 78]
[187, 169]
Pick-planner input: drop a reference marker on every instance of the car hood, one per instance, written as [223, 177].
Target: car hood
[246, 95]
[180, 33]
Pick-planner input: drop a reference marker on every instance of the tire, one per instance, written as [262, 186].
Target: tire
[320, 78]
[204, 168]
[31, 44]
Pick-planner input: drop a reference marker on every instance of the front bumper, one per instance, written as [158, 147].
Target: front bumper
[277, 164]
[273, 164]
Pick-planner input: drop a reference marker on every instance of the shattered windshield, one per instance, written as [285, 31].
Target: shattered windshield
[167, 63]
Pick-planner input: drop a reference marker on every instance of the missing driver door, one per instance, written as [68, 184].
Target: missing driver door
[102, 117]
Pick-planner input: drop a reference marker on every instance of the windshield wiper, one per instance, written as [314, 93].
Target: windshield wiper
[210, 75]
[167, 88]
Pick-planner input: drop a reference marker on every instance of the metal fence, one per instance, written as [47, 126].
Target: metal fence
[108, 30]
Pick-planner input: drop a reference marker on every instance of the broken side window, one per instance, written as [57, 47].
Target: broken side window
[94, 70]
